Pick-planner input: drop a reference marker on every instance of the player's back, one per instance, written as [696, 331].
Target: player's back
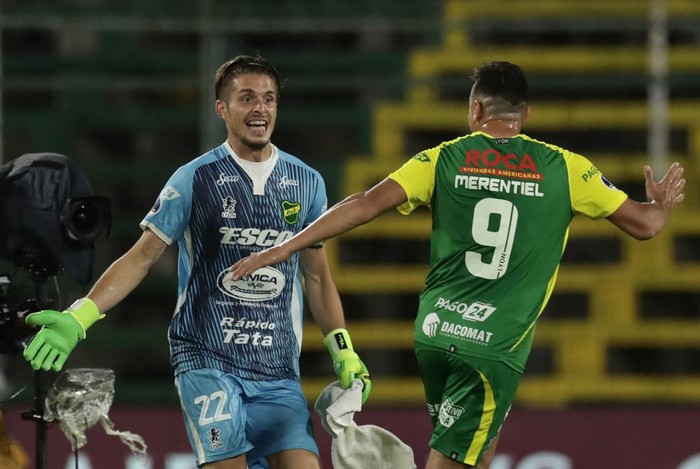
[501, 211]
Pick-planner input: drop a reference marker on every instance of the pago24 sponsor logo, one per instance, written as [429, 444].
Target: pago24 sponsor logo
[263, 284]
[476, 311]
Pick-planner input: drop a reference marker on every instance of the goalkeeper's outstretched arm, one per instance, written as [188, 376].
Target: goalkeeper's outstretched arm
[127, 272]
[61, 331]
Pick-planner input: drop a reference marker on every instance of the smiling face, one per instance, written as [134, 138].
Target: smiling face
[249, 109]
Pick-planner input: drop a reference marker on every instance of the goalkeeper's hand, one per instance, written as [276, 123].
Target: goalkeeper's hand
[59, 334]
[346, 363]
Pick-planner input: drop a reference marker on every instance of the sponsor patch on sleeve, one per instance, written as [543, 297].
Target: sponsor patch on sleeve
[607, 183]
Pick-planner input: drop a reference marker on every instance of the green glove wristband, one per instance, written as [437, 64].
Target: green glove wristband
[346, 364]
[85, 312]
[338, 340]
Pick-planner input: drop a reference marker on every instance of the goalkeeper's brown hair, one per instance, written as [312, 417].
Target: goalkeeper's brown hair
[241, 65]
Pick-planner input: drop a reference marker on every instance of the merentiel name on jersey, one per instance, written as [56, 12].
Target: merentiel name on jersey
[218, 210]
[501, 209]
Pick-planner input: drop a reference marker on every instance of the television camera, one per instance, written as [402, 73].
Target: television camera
[49, 220]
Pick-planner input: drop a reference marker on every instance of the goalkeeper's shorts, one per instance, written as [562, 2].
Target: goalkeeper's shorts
[468, 399]
[227, 416]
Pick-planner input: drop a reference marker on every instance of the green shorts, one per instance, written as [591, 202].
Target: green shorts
[468, 399]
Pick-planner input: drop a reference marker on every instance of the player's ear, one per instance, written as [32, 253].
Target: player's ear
[527, 115]
[220, 108]
[476, 113]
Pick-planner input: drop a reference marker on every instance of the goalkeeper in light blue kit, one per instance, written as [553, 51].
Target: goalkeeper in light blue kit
[234, 345]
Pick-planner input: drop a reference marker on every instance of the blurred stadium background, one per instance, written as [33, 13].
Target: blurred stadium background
[125, 88]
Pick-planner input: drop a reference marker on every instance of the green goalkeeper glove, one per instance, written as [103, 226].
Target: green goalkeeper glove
[59, 334]
[347, 365]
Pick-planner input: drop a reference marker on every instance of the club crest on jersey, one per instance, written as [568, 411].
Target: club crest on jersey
[229, 206]
[449, 413]
[422, 157]
[290, 212]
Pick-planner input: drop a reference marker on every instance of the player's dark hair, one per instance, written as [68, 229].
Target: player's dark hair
[241, 65]
[503, 80]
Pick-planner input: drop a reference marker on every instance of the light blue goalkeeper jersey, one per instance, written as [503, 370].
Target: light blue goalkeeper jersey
[218, 212]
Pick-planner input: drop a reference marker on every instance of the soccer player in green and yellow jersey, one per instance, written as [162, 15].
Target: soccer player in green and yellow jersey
[501, 207]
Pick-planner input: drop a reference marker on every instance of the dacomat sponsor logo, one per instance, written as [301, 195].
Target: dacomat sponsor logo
[263, 284]
[470, 334]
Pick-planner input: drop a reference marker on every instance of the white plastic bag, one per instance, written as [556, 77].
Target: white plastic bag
[82, 397]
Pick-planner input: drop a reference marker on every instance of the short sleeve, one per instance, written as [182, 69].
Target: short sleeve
[417, 178]
[591, 193]
[169, 216]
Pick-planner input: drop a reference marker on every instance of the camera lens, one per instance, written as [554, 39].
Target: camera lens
[85, 217]
[88, 218]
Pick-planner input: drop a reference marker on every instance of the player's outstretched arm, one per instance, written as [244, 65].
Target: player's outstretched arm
[353, 211]
[61, 331]
[127, 272]
[644, 220]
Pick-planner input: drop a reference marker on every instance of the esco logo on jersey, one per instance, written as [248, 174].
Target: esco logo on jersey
[253, 236]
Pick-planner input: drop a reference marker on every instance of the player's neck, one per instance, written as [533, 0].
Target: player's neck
[500, 128]
[249, 153]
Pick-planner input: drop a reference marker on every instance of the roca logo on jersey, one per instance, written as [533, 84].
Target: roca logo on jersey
[263, 284]
[253, 236]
